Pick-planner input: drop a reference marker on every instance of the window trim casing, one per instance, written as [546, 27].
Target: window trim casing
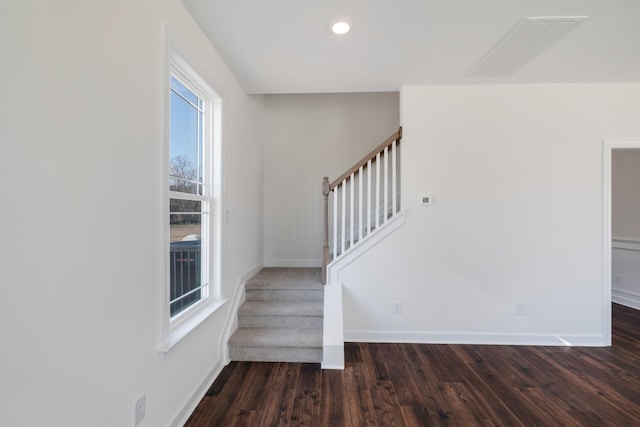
[205, 196]
[173, 330]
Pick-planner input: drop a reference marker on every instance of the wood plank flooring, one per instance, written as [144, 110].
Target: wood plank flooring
[439, 385]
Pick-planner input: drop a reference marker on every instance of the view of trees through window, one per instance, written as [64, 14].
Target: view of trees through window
[183, 223]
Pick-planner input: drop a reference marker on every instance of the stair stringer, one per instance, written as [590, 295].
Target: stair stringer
[231, 322]
[333, 329]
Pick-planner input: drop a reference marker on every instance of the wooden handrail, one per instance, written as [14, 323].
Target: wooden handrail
[395, 137]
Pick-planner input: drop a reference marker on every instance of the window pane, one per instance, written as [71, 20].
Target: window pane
[185, 256]
[187, 120]
[184, 186]
[185, 217]
[185, 260]
[178, 87]
[181, 205]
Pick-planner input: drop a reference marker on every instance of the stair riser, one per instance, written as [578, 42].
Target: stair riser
[283, 295]
[293, 322]
[276, 354]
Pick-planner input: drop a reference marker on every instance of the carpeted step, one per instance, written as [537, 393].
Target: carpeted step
[281, 319]
[281, 308]
[315, 294]
[276, 345]
[280, 314]
[286, 278]
[285, 284]
[276, 354]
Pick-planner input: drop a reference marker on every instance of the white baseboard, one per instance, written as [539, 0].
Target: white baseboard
[474, 338]
[192, 402]
[333, 357]
[628, 299]
[625, 243]
[293, 263]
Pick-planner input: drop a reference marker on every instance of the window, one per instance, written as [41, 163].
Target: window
[192, 188]
[189, 195]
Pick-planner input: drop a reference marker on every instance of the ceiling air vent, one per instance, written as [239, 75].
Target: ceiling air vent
[532, 36]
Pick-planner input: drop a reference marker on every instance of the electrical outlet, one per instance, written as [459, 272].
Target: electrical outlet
[139, 410]
[397, 307]
[618, 279]
[520, 309]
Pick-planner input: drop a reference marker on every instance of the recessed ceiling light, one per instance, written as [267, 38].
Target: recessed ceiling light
[341, 27]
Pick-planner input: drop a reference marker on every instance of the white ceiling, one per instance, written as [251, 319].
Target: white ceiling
[286, 46]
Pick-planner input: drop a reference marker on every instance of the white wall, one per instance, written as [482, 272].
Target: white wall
[515, 173]
[625, 212]
[625, 193]
[81, 128]
[308, 137]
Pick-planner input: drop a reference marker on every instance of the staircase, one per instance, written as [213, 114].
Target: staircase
[281, 318]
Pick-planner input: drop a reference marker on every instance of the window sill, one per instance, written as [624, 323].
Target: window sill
[184, 326]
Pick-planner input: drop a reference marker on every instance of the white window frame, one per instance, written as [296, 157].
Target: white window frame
[174, 329]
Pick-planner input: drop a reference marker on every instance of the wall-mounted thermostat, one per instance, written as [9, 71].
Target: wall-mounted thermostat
[424, 200]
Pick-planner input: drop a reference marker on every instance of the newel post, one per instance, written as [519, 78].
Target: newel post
[326, 189]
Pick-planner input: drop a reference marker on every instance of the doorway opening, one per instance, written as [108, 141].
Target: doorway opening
[608, 296]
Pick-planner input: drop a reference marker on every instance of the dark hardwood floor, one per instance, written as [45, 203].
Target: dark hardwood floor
[423, 385]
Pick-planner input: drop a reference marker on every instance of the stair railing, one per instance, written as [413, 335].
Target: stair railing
[365, 197]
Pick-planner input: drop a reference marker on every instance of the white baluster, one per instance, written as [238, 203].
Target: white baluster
[343, 233]
[394, 187]
[360, 217]
[386, 184]
[377, 206]
[368, 197]
[352, 187]
[335, 222]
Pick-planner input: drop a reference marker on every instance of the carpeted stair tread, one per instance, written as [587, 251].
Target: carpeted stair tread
[265, 294]
[268, 337]
[289, 322]
[286, 278]
[284, 284]
[281, 308]
[277, 354]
